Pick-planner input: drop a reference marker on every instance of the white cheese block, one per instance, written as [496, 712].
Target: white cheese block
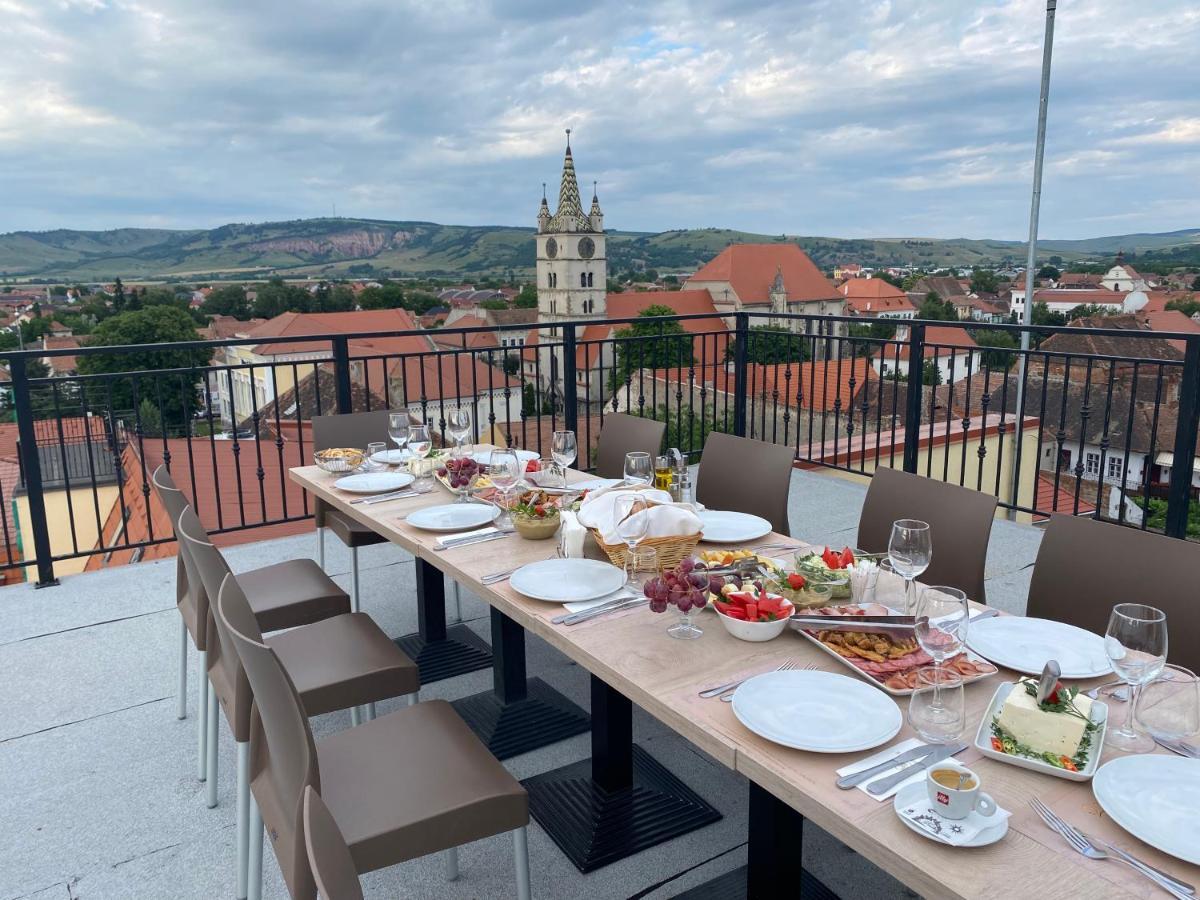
[1055, 732]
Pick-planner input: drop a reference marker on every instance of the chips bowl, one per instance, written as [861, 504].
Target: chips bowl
[339, 460]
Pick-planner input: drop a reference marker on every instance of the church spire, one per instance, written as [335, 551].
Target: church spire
[543, 216]
[595, 216]
[569, 215]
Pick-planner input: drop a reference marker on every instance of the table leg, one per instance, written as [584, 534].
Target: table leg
[441, 652]
[518, 714]
[619, 802]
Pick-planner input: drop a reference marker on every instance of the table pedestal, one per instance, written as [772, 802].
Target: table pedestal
[619, 802]
[440, 652]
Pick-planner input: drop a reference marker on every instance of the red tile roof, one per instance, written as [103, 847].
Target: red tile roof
[871, 288]
[751, 268]
[1061, 500]
[1171, 320]
[1099, 297]
[381, 321]
[710, 335]
[939, 339]
[60, 365]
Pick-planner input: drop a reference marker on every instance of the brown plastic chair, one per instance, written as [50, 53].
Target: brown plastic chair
[746, 476]
[328, 856]
[960, 524]
[623, 434]
[348, 430]
[413, 782]
[1085, 567]
[341, 662]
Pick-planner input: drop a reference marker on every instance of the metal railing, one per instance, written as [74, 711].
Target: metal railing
[845, 393]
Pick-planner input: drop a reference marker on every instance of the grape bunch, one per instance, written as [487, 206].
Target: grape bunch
[459, 472]
[683, 587]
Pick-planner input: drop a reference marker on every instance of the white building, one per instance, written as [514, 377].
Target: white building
[951, 349]
[1123, 277]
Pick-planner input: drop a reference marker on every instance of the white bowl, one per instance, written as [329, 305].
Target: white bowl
[752, 631]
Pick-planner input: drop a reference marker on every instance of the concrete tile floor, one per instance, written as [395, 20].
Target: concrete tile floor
[98, 792]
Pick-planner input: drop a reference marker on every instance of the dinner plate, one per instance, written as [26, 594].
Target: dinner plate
[912, 794]
[484, 457]
[392, 457]
[1155, 798]
[453, 516]
[1025, 644]
[817, 711]
[594, 484]
[722, 526]
[373, 482]
[567, 580]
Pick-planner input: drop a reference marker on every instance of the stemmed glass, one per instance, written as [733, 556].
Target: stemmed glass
[639, 467]
[631, 528]
[419, 443]
[909, 550]
[398, 429]
[1169, 708]
[942, 615]
[563, 451]
[458, 423]
[937, 707]
[505, 471]
[1136, 643]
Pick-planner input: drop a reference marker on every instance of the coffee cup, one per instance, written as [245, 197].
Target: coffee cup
[943, 780]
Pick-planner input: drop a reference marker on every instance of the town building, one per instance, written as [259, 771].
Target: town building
[876, 299]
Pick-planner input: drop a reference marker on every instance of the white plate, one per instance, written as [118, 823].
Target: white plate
[594, 484]
[726, 527]
[1155, 798]
[392, 457]
[567, 580]
[817, 711]
[484, 457]
[983, 740]
[373, 482]
[1025, 644]
[917, 793]
[453, 516]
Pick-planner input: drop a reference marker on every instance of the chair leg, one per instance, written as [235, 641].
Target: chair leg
[202, 716]
[183, 645]
[354, 604]
[355, 716]
[321, 548]
[255, 853]
[214, 732]
[457, 603]
[452, 864]
[521, 848]
[370, 712]
[414, 698]
[243, 817]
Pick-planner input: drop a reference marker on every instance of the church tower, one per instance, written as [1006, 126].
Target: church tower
[572, 268]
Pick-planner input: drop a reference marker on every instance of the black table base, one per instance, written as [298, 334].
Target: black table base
[734, 886]
[440, 652]
[619, 802]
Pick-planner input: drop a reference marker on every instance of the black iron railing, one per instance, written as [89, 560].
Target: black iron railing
[1100, 422]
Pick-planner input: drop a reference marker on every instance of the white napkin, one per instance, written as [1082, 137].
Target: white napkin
[668, 520]
[580, 606]
[596, 511]
[571, 535]
[954, 832]
[895, 750]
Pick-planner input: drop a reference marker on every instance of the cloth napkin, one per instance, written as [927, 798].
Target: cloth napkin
[596, 511]
[668, 520]
[570, 536]
[895, 750]
[954, 832]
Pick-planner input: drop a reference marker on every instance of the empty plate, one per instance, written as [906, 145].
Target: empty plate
[567, 580]
[1025, 644]
[1155, 798]
[373, 482]
[392, 457]
[453, 516]
[727, 527]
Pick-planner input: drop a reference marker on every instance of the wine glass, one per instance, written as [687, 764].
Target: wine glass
[937, 707]
[504, 470]
[942, 614]
[639, 467]
[420, 442]
[398, 429]
[1169, 708]
[909, 550]
[563, 451]
[631, 528]
[1136, 644]
[458, 423]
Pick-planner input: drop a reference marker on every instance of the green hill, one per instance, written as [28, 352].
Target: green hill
[349, 247]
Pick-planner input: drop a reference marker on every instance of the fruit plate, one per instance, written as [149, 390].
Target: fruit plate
[983, 740]
[985, 668]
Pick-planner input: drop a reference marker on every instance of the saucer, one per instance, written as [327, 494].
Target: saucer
[916, 793]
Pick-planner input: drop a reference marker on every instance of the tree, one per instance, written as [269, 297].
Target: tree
[770, 344]
[527, 299]
[889, 278]
[935, 308]
[984, 281]
[1090, 310]
[148, 421]
[228, 300]
[118, 300]
[493, 304]
[1049, 272]
[1196, 283]
[511, 364]
[175, 394]
[651, 345]
[420, 302]
[333, 298]
[1043, 315]
[388, 296]
[275, 298]
[1189, 306]
[1000, 345]
[686, 430]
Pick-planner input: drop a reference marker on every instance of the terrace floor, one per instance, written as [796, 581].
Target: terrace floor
[98, 792]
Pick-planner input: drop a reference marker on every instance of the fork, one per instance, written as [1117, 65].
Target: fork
[713, 692]
[727, 697]
[1178, 747]
[1083, 845]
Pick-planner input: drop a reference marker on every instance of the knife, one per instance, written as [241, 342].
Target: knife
[1049, 678]
[620, 595]
[943, 751]
[469, 537]
[589, 614]
[848, 781]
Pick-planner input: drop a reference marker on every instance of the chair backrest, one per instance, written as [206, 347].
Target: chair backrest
[623, 434]
[328, 856]
[746, 476]
[350, 429]
[168, 493]
[283, 755]
[173, 501]
[1085, 567]
[960, 524]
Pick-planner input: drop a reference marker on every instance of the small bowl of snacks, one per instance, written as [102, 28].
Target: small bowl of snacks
[750, 614]
[535, 516]
[830, 567]
[543, 473]
[803, 593]
[339, 460]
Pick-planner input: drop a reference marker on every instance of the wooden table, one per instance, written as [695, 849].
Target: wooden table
[633, 660]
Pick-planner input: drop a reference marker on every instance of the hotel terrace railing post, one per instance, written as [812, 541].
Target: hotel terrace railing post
[341, 372]
[569, 382]
[740, 386]
[31, 468]
[912, 405]
[1179, 496]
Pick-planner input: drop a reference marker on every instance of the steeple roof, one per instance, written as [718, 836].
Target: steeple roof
[569, 215]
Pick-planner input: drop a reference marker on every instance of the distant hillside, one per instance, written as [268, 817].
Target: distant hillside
[341, 247]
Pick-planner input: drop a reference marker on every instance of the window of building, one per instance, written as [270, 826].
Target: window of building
[1114, 466]
[583, 279]
[1092, 464]
[589, 279]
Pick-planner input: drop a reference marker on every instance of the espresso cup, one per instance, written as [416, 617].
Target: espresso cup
[953, 803]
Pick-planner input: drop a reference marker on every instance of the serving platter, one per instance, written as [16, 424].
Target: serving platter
[1024, 644]
[1155, 798]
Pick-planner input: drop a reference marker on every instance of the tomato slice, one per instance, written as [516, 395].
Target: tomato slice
[847, 557]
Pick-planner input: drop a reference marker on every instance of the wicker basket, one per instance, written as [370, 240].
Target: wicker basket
[671, 550]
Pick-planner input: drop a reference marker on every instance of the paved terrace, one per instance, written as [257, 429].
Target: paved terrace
[98, 789]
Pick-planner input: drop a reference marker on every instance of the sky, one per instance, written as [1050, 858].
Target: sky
[813, 117]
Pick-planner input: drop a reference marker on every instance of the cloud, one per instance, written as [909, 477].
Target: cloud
[862, 117]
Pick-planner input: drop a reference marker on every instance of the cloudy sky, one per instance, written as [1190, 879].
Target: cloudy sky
[830, 117]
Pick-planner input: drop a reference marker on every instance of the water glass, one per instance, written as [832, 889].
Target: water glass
[564, 450]
[458, 423]
[1169, 708]
[910, 550]
[374, 449]
[631, 527]
[942, 614]
[937, 708]
[420, 442]
[639, 467]
[504, 470]
[864, 577]
[398, 424]
[1136, 644]
[644, 564]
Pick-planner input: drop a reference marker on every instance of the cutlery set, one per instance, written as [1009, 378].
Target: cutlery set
[482, 536]
[402, 494]
[628, 601]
